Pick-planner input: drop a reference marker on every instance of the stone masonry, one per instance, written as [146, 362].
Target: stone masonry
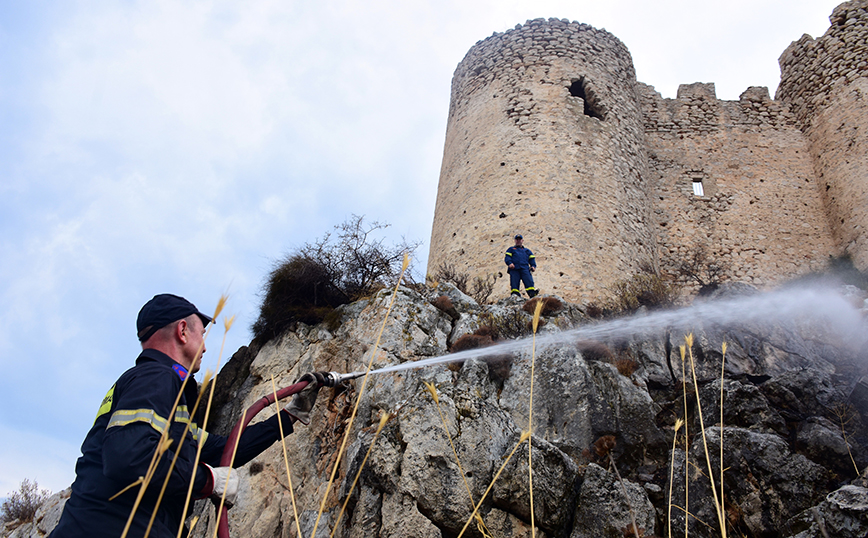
[550, 135]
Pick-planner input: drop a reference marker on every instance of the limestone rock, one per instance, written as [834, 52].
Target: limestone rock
[843, 514]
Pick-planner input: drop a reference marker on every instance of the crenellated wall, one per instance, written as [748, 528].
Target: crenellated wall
[759, 213]
[550, 135]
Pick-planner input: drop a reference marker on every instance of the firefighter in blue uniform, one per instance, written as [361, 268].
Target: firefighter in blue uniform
[119, 447]
[520, 263]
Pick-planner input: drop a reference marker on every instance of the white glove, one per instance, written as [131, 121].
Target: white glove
[224, 481]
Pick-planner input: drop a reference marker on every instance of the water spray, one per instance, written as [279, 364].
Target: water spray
[818, 306]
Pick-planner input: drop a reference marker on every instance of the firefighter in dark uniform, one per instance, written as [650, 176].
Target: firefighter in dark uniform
[137, 409]
[520, 263]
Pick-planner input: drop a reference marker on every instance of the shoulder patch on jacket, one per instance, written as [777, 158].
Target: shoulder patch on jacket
[106, 404]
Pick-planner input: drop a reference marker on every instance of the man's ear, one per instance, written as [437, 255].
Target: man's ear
[182, 331]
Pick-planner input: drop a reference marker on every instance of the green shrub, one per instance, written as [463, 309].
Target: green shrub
[23, 504]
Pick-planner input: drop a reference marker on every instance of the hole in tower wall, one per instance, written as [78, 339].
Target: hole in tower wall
[579, 88]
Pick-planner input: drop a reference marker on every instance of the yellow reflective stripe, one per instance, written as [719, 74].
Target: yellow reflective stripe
[199, 435]
[529, 289]
[106, 404]
[509, 253]
[148, 416]
[532, 256]
[182, 415]
[123, 417]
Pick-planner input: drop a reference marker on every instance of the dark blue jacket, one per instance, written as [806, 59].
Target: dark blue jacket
[521, 257]
[119, 447]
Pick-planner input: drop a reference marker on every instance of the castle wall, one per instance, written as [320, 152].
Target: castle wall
[825, 83]
[526, 154]
[760, 214]
[550, 135]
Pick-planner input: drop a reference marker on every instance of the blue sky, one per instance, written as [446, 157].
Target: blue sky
[182, 147]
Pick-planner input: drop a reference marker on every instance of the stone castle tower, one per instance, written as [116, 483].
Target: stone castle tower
[550, 135]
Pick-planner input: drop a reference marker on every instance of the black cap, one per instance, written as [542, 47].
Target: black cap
[518, 236]
[162, 310]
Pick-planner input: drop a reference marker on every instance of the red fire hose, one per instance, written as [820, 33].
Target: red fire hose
[225, 459]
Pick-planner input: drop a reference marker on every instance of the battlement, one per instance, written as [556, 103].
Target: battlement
[696, 111]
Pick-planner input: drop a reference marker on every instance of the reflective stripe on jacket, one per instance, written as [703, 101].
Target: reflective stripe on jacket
[520, 257]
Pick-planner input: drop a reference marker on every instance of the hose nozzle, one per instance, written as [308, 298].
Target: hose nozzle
[333, 379]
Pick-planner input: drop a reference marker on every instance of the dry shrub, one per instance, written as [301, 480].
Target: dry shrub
[626, 367]
[297, 289]
[508, 326]
[649, 290]
[644, 289]
[595, 310]
[446, 272]
[603, 445]
[551, 306]
[486, 330]
[465, 342]
[700, 267]
[480, 288]
[594, 350]
[499, 368]
[470, 341]
[444, 303]
[23, 504]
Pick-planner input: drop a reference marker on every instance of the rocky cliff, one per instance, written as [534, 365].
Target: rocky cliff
[608, 445]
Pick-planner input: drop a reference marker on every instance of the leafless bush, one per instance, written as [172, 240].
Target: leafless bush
[701, 268]
[482, 288]
[509, 326]
[23, 504]
[478, 287]
[626, 296]
[446, 272]
[306, 286]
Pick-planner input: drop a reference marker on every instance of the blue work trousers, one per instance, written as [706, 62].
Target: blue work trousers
[521, 274]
